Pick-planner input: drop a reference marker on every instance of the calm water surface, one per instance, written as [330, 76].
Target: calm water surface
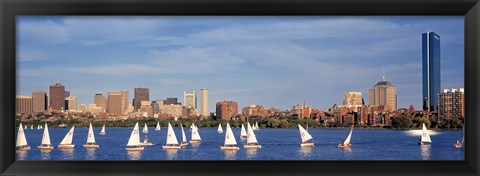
[277, 144]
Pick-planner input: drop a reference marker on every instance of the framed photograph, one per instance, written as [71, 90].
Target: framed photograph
[253, 87]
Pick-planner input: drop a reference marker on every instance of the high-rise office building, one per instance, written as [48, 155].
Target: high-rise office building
[100, 101]
[353, 100]
[227, 110]
[40, 101]
[383, 93]
[430, 70]
[115, 106]
[67, 93]
[24, 104]
[71, 103]
[140, 94]
[170, 101]
[204, 102]
[125, 98]
[57, 96]
[451, 103]
[190, 99]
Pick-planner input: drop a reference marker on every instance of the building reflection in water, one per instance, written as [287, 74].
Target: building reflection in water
[134, 155]
[91, 153]
[305, 152]
[230, 154]
[22, 155]
[425, 149]
[171, 154]
[67, 154]
[45, 154]
[251, 153]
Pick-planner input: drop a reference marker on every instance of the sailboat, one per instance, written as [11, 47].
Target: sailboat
[91, 139]
[195, 135]
[46, 145]
[251, 139]
[220, 130]
[256, 126]
[460, 144]
[184, 137]
[38, 127]
[31, 127]
[134, 140]
[307, 139]
[145, 129]
[425, 136]
[172, 142]
[158, 127]
[230, 142]
[346, 143]
[103, 131]
[67, 140]
[243, 133]
[21, 140]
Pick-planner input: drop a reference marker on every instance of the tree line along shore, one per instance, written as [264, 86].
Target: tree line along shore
[284, 122]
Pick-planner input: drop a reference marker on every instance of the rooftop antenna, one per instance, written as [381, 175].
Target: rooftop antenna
[383, 73]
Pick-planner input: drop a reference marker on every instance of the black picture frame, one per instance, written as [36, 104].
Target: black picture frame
[470, 9]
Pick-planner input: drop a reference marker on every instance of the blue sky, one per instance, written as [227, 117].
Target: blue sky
[273, 61]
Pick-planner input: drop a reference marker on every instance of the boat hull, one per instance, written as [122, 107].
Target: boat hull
[458, 145]
[26, 148]
[229, 148]
[134, 148]
[184, 144]
[424, 143]
[344, 146]
[195, 142]
[252, 146]
[103, 133]
[66, 146]
[45, 147]
[307, 145]
[166, 147]
[146, 144]
[91, 146]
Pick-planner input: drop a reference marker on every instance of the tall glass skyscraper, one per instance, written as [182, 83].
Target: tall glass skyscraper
[430, 70]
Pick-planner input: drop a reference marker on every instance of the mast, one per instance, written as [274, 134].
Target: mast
[134, 139]
[46, 136]
[21, 139]
[229, 137]
[68, 137]
[171, 138]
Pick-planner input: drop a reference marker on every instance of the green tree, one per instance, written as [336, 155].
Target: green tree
[402, 122]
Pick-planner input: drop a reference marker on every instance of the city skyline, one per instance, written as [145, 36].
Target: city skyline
[272, 61]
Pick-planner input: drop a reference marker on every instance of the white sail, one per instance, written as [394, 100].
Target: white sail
[38, 127]
[46, 136]
[91, 136]
[220, 130]
[425, 135]
[31, 127]
[134, 139]
[195, 134]
[158, 127]
[68, 137]
[229, 137]
[243, 133]
[103, 129]
[347, 141]
[171, 138]
[184, 137]
[304, 134]
[251, 136]
[256, 126]
[145, 128]
[21, 139]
